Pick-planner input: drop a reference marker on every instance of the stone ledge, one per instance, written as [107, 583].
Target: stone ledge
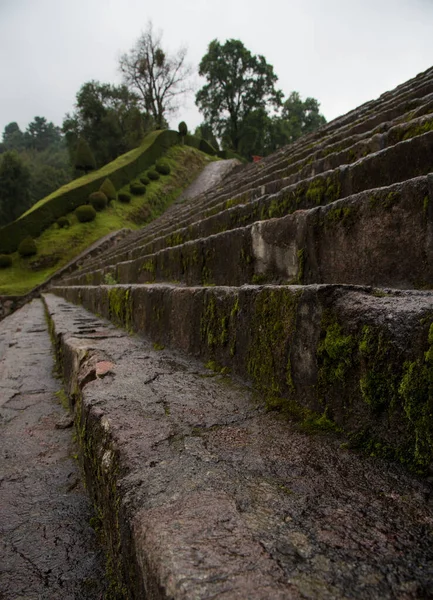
[203, 494]
[357, 356]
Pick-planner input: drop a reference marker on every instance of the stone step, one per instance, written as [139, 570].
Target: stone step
[366, 239]
[202, 493]
[48, 548]
[316, 162]
[360, 356]
[394, 164]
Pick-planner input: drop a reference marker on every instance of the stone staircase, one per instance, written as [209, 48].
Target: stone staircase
[306, 277]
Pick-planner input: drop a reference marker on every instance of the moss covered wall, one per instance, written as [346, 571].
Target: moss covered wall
[324, 349]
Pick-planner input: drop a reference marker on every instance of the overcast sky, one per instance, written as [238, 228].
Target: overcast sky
[342, 52]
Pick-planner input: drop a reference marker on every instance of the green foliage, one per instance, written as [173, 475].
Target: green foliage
[334, 353]
[14, 187]
[84, 159]
[145, 180]
[62, 222]
[5, 261]
[47, 211]
[27, 247]
[98, 200]
[300, 117]
[85, 213]
[67, 243]
[109, 118]
[206, 147]
[205, 132]
[153, 175]
[108, 189]
[124, 197]
[183, 129]
[43, 152]
[162, 168]
[136, 188]
[238, 83]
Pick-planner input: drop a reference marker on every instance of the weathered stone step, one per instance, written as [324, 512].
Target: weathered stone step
[303, 149]
[203, 494]
[397, 163]
[404, 160]
[366, 239]
[359, 356]
[269, 165]
[316, 163]
[326, 159]
[333, 156]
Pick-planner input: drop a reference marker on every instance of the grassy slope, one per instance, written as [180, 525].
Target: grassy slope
[106, 169]
[56, 247]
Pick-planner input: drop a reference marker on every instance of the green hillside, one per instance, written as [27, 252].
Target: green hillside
[56, 247]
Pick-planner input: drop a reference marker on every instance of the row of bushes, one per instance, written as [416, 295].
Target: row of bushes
[67, 199]
[26, 248]
[107, 192]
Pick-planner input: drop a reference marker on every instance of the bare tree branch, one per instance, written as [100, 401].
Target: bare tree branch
[159, 79]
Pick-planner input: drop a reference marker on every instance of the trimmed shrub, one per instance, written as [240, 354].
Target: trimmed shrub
[153, 175]
[85, 213]
[207, 148]
[27, 247]
[84, 159]
[62, 222]
[145, 180]
[98, 200]
[183, 129]
[5, 261]
[124, 197]
[162, 168]
[46, 212]
[108, 189]
[137, 188]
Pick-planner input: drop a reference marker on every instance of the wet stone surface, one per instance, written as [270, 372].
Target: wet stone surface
[228, 501]
[47, 548]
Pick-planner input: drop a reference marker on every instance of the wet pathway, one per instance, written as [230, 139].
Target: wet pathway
[47, 548]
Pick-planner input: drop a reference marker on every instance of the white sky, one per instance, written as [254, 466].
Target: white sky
[342, 52]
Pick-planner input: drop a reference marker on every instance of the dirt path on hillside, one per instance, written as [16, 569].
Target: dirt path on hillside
[48, 549]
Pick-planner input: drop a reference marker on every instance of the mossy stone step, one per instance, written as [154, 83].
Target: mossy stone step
[366, 239]
[360, 356]
[202, 493]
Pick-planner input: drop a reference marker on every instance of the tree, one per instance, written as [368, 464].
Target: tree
[14, 187]
[238, 83]
[205, 132]
[13, 137]
[157, 77]
[84, 159]
[299, 118]
[40, 134]
[108, 117]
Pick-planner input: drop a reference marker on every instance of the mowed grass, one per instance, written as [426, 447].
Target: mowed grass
[56, 247]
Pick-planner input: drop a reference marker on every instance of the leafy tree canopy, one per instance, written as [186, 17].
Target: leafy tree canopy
[109, 118]
[14, 187]
[238, 83]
